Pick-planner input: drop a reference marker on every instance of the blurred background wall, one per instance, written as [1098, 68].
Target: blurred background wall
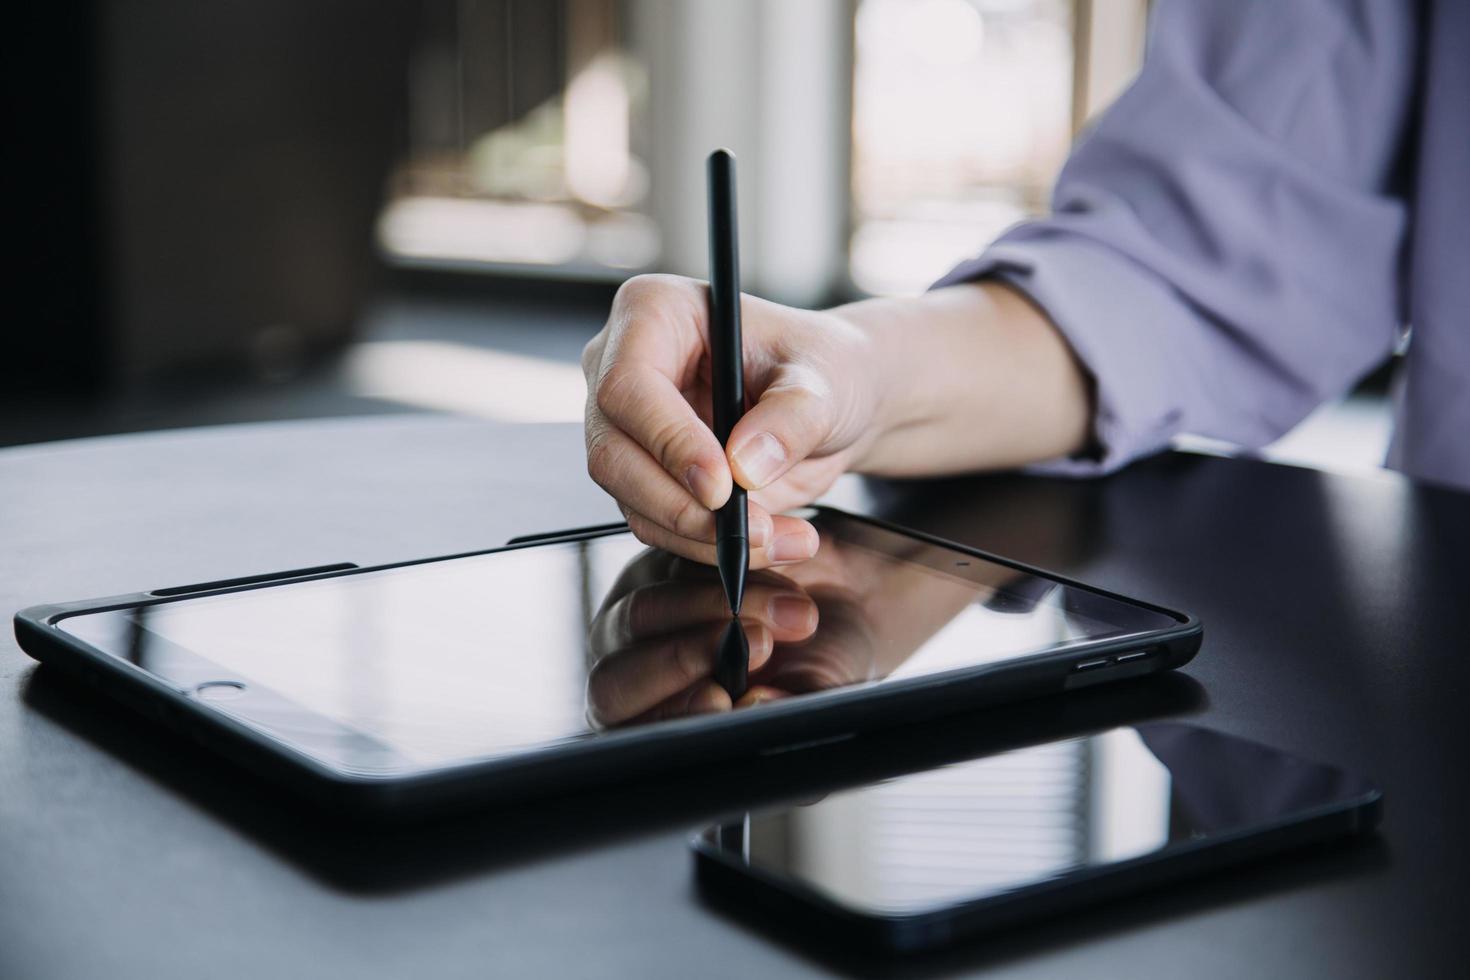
[240, 211]
[880, 140]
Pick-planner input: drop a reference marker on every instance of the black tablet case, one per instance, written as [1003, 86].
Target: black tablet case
[606, 756]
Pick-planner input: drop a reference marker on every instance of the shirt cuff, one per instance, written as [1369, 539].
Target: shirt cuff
[1116, 317]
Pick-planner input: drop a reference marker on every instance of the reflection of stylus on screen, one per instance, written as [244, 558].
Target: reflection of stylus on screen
[732, 662]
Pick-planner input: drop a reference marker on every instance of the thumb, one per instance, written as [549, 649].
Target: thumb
[790, 422]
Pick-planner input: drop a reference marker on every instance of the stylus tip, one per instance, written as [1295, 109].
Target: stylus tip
[732, 555]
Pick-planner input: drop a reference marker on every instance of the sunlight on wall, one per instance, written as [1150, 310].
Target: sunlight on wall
[961, 118]
[444, 229]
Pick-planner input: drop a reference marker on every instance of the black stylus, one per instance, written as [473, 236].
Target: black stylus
[727, 367]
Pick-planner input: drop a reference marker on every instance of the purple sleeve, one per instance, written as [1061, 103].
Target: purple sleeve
[1224, 249]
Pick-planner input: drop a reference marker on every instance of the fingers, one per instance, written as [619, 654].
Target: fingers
[624, 469]
[649, 568]
[628, 683]
[703, 698]
[648, 447]
[636, 371]
[668, 607]
[791, 421]
[800, 485]
[791, 540]
[839, 655]
[647, 406]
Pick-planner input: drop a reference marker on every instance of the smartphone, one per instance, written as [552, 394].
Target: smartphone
[586, 657]
[927, 859]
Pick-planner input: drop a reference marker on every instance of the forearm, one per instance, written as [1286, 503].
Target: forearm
[968, 377]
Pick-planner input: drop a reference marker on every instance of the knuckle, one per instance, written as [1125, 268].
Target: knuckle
[807, 394]
[690, 663]
[648, 287]
[592, 353]
[612, 389]
[689, 519]
[642, 528]
[635, 289]
[607, 697]
[668, 438]
[643, 611]
[654, 296]
[599, 460]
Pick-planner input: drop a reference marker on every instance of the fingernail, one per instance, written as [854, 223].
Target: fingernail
[760, 459]
[758, 638]
[703, 485]
[759, 530]
[790, 547]
[791, 611]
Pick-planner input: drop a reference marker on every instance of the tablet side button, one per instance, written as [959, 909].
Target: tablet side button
[1089, 665]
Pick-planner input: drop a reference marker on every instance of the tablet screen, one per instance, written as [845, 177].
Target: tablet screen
[449, 661]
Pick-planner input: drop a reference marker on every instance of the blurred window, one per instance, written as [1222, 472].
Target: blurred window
[530, 131]
[520, 143]
[963, 112]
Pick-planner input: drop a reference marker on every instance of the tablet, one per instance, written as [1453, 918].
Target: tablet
[587, 656]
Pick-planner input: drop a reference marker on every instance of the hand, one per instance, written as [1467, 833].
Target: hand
[842, 652]
[810, 381]
[845, 648]
[656, 638]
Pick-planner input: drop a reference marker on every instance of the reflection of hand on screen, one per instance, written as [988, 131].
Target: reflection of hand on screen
[876, 610]
[847, 616]
[656, 638]
[839, 653]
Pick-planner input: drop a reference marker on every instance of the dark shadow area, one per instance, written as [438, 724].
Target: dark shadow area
[1056, 524]
[377, 859]
[1311, 865]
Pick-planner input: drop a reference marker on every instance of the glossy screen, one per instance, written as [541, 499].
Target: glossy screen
[984, 828]
[449, 661]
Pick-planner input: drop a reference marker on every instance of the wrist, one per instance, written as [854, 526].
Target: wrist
[902, 374]
[875, 376]
[967, 377]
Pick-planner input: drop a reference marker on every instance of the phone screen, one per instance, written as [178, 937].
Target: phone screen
[443, 662]
[989, 827]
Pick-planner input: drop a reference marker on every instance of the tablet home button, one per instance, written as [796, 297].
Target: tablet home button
[219, 690]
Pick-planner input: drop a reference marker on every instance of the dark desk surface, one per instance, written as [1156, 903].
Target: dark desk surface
[1337, 613]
